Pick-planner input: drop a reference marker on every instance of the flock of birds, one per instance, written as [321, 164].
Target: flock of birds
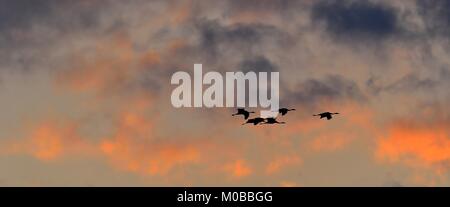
[272, 120]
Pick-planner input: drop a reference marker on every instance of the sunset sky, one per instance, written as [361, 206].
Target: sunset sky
[85, 93]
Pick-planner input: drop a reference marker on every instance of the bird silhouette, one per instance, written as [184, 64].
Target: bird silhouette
[283, 111]
[243, 112]
[254, 121]
[272, 120]
[327, 115]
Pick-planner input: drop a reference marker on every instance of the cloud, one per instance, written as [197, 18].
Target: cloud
[218, 39]
[279, 163]
[436, 15]
[263, 5]
[22, 13]
[110, 66]
[332, 87]
[50, 141]
[149, 159]
[238, 169]
[52, 18]
[411, 82]
[134, 147]
[257, 64]
[417, 144]
[356, 19]
[106, 67]
[331, 141]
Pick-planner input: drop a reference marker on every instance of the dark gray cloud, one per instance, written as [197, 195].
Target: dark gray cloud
[21, 13]
[61, 14]
[436, 15]
[241, 38]
[281, 8]
[30, 28]
[358, 19]
[257, 64]
[411, 82]
[19, 18]
[332, 87]
[263, 5]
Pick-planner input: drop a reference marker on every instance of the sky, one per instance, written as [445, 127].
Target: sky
[85, 93]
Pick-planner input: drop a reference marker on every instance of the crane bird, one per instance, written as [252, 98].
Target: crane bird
[283, 111]
[327, 115]
[272, 120]
[254, 121]
[243, 112]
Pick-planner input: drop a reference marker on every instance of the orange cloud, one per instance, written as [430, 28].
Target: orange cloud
[416, 144]
[181, 12]
[49, 141]
[238, 168]
[133, 146]
[331, 141]
[147, 158]
[281, 162]
[150, 58]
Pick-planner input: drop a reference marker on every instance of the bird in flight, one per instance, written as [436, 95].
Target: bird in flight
[272, 120]
[283, 111]
[327, 115]
[254, 121]
[243, 112]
